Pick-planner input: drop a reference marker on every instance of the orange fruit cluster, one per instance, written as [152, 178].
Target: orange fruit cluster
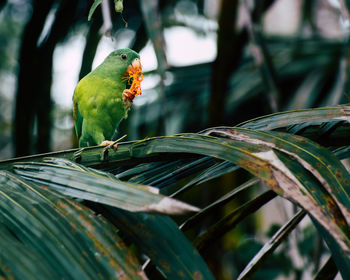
[137, 78]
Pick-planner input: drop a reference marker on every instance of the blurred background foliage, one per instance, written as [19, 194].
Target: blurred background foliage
[207, 63]
[213, 63]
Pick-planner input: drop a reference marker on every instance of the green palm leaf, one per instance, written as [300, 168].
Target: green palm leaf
[160, 238]
[292, 166]
[60, 232]
[100, 188]
[269, 246]
[260, 159]
[306, 116]
[231, 220]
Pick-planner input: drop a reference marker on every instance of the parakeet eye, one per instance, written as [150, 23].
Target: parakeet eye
[123, 56]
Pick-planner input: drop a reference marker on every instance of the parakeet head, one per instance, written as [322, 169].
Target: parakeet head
[129, 64]
[123, 57]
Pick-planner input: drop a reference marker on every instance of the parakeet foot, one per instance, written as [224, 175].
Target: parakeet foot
[127, 97]
[109, 143]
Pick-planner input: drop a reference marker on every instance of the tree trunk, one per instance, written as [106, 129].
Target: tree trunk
[229, 52]
[33, 102]
[27, 96]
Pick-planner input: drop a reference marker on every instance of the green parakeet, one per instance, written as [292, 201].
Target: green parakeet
[101, 100]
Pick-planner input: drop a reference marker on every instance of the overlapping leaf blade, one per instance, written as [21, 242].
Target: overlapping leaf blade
[269, 246]
[99, 187]
[260, 158]
[26, 265]
[62, 233]
[195, 219]
[214, 171]
[228, 222]
[160, 238]
[309, 117]
[292, 166]
[167, 175]
[317, 160]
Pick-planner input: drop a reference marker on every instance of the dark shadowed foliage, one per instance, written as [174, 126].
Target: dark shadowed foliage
[227, 172]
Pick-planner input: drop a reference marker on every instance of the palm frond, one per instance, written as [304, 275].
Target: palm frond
[228, 222]
[60, 233]
[101, 188]
[270, 246]
[292, 166]
[161, 240]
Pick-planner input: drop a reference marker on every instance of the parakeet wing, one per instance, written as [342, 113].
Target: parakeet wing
[78, 119]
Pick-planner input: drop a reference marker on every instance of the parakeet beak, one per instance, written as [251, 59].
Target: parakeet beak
[134, 73]
[135, 66]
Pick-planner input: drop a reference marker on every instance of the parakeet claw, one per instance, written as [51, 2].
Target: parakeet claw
[127, 98]
[109, 143]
